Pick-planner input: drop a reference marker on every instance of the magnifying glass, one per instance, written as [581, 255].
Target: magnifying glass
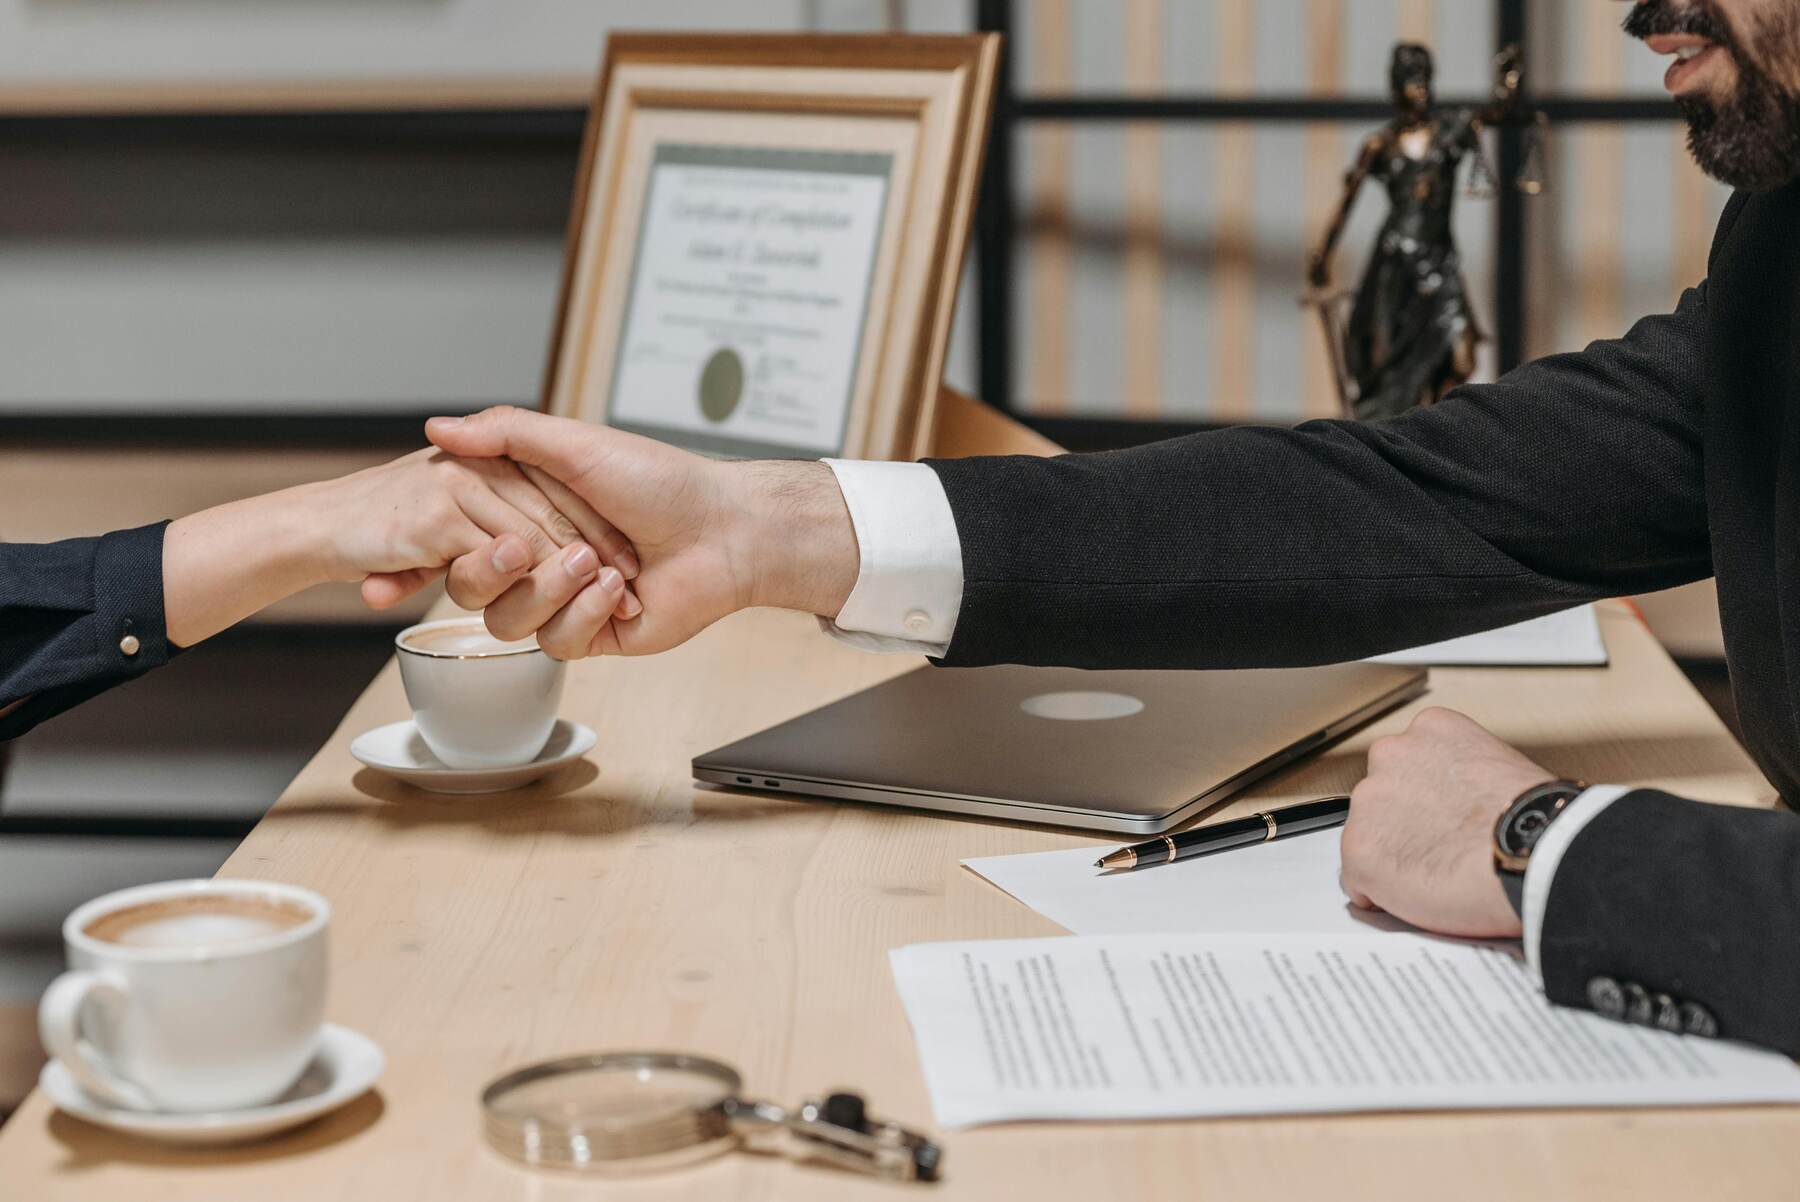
[634, 1112]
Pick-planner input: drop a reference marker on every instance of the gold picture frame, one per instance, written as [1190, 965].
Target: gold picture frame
[867, 151]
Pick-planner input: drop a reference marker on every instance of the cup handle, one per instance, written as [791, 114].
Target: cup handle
[60, 1027]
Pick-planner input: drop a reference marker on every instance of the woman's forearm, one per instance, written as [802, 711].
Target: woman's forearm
[223, 564]
[406, 519]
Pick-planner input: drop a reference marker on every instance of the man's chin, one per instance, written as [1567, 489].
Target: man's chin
[1754, 155]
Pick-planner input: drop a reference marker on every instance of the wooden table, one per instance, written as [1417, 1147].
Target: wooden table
[619, 906]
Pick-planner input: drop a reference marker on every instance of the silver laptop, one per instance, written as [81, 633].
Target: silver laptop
[1116, 751]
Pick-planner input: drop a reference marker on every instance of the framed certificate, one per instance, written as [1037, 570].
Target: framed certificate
[767, 238]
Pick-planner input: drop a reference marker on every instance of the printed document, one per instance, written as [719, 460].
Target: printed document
[1166, 1026]
[1569, 639]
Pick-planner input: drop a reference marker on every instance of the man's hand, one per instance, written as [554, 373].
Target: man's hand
[1420, 839]
[708, 537]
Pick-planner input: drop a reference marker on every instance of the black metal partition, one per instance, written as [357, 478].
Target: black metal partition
[996, 225]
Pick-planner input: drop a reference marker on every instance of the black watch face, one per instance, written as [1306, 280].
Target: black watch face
[1526, 825]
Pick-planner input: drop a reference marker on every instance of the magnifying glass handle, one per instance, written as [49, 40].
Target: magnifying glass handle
[841, 1130]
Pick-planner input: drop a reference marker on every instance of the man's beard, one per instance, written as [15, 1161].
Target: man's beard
[1751, 138]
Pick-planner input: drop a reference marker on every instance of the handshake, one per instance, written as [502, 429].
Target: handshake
[595, 541]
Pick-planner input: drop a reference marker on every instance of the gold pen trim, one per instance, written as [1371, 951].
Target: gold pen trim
[1171, 844]
[1269, 820]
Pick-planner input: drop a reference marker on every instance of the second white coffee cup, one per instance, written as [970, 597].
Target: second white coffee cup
[479, 702]
[190, 995]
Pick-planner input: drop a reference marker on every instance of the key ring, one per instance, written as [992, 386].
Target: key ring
[639, 1112]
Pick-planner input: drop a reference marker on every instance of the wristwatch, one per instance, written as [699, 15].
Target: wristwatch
[1520, 828]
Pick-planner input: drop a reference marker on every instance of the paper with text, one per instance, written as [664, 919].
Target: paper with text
[1569, 639]
[1164, 1026]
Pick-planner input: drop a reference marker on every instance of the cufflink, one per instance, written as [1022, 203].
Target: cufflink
[1606, 997]
[917, 620]
[1698, 1020]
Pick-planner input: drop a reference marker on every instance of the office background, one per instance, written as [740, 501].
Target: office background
[246, 245]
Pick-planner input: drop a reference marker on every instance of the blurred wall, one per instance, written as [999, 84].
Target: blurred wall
[194, 272]
[1158, 263]
[303, 275]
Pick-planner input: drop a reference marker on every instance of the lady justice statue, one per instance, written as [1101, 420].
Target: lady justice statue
[1411, 334]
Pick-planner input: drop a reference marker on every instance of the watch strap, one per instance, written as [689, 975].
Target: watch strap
[1513, 883]
[1511, 865]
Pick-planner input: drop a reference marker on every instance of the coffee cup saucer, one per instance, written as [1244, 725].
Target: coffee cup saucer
[400, 751]
[345, 1066]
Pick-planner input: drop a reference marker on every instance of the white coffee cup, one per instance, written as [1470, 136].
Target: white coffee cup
[477, 701]
[190, 996]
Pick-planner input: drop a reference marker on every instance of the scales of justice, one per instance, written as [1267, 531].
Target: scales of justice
[1407, 334]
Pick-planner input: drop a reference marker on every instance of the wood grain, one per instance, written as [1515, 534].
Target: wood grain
[619, 905]
[225, 95]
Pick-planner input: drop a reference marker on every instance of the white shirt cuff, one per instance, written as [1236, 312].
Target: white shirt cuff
[1540, 872]
[909, 581]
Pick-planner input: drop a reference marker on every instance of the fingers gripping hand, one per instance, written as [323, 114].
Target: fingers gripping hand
[534, 605]
[662, 517]
[403, 522]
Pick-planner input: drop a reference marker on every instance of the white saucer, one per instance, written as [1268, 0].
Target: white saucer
[399, 750]
[346, 1066]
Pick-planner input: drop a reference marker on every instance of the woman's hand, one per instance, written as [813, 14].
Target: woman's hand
[394, 527]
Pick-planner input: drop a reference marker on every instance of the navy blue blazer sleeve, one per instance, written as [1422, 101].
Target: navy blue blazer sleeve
[68, 614]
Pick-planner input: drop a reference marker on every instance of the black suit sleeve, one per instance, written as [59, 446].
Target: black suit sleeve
[1572, 478]
[66, 610]
[1699, 902]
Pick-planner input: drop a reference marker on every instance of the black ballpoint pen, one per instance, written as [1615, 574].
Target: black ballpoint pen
[1240, 832]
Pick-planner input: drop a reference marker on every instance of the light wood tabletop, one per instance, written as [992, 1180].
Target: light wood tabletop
[617, 905]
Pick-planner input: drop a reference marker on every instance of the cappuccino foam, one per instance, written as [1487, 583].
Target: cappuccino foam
[469, 639]
[204, 920]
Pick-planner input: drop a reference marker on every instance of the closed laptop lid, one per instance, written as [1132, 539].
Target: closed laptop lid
[1132, 743]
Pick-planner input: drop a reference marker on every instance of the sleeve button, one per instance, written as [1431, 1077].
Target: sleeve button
[129, 645]
[917, 620]
[1605, 996]
[1698, 1020]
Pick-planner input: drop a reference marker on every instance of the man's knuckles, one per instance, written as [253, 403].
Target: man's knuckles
[1387, 751]
[1435, 720]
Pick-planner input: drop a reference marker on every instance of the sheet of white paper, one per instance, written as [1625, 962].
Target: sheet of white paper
[1570, 638]
[1287, 885]
[1164, 1026]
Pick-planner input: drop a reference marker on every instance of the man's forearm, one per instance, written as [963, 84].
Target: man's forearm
[795, 532]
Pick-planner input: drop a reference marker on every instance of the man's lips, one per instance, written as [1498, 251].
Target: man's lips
[1693, 54]
[1669, 43]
